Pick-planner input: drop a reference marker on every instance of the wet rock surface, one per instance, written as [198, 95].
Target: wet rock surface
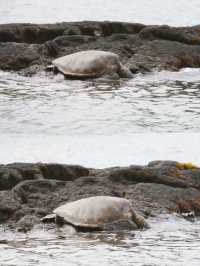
[142, 48]
[30, 191]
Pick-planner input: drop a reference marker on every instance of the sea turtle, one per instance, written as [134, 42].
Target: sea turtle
[90, 64]
[94, 213]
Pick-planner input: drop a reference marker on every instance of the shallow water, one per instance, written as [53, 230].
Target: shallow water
[100, 123]
[177, 13]
[174, 242]
[165, 102]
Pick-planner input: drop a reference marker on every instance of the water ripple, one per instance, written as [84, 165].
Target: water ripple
[174, 241]
[162, 102]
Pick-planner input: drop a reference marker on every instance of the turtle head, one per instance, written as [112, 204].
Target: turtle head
[139, 220]
[124, 72]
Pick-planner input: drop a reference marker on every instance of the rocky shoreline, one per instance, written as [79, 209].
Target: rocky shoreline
[28, 191]
[29, 48]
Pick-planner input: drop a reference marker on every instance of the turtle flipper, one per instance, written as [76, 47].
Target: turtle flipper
[49, 218]
[52, 68]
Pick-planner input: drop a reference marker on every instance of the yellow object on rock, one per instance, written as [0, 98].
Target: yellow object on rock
[188, 165]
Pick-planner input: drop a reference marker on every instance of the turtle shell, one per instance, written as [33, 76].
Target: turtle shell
[94, 212]
[91, 63]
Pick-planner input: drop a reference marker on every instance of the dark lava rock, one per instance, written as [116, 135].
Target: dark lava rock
[15, 56]
[8, 205]
[139, 63]
[39, 197]
[69, 40]
[169, 173]
[30, 33]
[142, 48]
[160, 196]
[62, 171]
[12, 174]
[9, 178]
[184, 35]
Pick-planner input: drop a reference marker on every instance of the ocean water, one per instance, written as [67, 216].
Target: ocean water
[100, 123]
[177, 13]
[174, 242]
